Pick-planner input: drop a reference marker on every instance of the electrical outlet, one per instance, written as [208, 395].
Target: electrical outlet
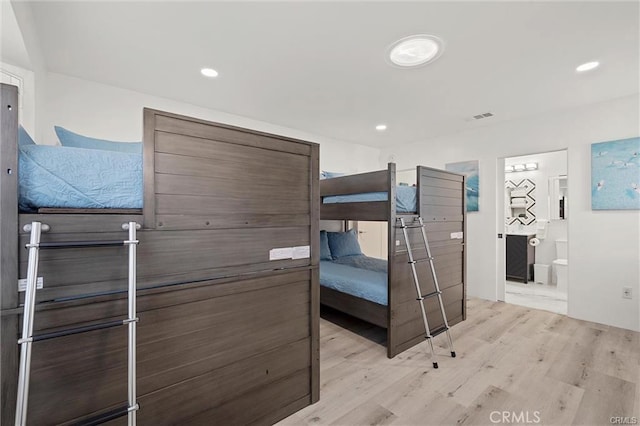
[626, 292]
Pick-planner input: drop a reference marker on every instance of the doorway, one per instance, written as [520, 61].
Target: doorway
[533, 222]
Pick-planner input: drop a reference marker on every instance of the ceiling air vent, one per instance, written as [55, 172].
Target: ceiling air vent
[481, 116]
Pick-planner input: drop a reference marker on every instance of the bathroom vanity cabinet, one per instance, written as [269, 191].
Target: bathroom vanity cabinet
[520, 257]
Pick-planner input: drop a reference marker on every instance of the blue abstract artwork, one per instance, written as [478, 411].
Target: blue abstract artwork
[471, 171]
[615, 175]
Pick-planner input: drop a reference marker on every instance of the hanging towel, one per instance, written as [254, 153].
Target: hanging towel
[518, 202]
[518, 192]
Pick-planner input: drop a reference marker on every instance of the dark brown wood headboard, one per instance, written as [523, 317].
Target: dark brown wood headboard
[258, 177]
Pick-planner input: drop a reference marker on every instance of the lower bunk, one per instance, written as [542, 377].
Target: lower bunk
[213, 352]
[359, 285]
[358, 291]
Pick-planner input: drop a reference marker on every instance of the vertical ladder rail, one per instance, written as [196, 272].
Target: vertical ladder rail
[28, 338]
[420, 297]
[133, 321]
[437, 286]
[26, 341]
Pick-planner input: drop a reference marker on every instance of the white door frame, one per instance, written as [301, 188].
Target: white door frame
[500, 231]
[500, 227]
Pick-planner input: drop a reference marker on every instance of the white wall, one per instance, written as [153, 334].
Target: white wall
[112, 113]
[549, 164]
[604, 246]
[25, 81]
[36, 81]
[16, 65]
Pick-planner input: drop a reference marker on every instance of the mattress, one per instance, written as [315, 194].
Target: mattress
[63, 177]
[358, 282]
[405, 198]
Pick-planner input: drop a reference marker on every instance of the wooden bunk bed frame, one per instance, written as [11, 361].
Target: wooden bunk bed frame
[215, 345]
[441, 203]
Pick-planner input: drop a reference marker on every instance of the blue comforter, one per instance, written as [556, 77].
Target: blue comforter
[405, 198]
[362, 283]
[55, 176]
[363, 262]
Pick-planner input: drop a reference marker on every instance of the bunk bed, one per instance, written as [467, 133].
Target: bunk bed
[440, 201]
[229, 327]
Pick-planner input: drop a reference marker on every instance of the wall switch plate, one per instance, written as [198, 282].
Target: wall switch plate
[22, 284]
[397, 242]
[626, 293]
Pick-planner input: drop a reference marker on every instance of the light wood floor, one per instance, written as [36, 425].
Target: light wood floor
[523, 361]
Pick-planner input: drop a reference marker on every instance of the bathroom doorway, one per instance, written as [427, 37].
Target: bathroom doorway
[533, 211]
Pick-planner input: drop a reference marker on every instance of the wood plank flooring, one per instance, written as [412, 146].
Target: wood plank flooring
[537, 366]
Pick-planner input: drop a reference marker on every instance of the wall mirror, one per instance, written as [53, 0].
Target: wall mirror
[558, 197]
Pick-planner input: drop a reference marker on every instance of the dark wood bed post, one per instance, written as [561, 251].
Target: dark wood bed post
[148, 168]
[464, 248]
[315, 272]
[8, 249]
[391, 253]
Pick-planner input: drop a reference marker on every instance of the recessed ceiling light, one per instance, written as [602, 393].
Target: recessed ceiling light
[588, 66]
[209, 72]
[415, 50]
[381, 127]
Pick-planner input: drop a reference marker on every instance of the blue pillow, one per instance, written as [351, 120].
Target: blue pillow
[344, 243]
[74, 140]
[24, 138]
[325, 253]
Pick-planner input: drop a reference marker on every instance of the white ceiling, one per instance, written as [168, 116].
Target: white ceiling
[320, 66]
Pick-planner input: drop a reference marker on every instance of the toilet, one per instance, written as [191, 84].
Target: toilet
[560, 265]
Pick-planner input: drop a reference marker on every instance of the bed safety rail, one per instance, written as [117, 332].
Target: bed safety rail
[377, 181]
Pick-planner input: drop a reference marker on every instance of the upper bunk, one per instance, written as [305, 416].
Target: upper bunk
[376, 196]
[208, 197]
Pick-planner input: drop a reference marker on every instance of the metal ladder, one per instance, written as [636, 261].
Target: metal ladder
[28, 338]
[429, 334]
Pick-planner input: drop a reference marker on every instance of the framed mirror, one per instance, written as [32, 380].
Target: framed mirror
[558, 197]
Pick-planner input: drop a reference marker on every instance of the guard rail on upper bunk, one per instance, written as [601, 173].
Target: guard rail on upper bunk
[362, 183]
